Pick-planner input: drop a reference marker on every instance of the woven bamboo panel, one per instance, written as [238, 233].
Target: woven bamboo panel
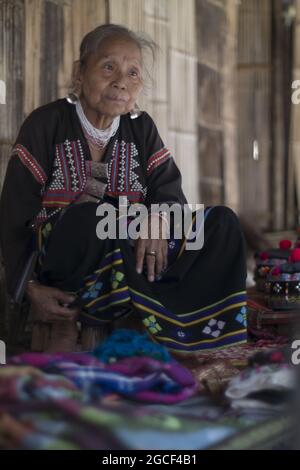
[182, 26]
[294, 156]
[229, 108]
[254, 32]
[210, 32]
[129, 13]
[79, 17]
[254, 104]
[12, 73]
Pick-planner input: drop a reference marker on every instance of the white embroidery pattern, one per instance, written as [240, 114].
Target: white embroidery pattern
[214, 327]
[65, 157]
[122, 176]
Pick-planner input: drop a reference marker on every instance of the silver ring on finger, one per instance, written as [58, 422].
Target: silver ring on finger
[151, 253]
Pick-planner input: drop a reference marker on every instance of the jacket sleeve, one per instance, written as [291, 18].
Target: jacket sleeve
[164, 180]
[20, 201]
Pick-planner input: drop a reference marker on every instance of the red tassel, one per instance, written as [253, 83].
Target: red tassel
[295, 255]
[285, 244]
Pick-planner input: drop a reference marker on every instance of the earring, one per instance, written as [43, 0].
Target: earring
[72, 97]
[135, 112]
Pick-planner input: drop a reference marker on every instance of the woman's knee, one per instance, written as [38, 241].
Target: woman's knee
[225, 215]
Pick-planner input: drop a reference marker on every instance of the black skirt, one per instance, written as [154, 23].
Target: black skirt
[197, 303]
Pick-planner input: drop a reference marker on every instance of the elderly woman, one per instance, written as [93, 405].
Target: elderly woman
[76, 153]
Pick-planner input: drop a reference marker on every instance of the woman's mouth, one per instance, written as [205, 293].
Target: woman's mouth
[116, 99]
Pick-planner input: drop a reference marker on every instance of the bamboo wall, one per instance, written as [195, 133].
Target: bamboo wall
[294, 160]
[254, 105]
[217, 112]
[267, 184]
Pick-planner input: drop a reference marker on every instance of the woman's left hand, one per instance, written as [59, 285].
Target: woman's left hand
[154, 251]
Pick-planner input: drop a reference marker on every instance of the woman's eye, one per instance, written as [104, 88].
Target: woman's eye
[134, 73]
[108, 66]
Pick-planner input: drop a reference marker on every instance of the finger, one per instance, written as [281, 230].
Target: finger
[159, 261]
[151, 260]
[59, 318]
[63, 311]
[165, 255]
[63, 297]
[140, 254]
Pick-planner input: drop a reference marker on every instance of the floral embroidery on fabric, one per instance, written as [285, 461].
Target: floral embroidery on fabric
[116, 278]
[214, 327]
[181, 334]
[242, 316]
[93, 291]
[152, 324]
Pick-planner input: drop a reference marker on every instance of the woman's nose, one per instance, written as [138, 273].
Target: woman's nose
[120, 81]
[120, 85]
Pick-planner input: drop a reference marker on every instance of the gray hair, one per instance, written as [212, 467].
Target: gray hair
[92, 42]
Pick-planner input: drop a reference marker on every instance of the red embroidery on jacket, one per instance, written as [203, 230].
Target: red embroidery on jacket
[30, 162]
[157, 159]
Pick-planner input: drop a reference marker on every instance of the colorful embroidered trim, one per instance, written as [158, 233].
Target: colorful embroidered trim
[30, 162]
[157, 159]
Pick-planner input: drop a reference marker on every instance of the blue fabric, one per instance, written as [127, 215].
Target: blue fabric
[129, 343]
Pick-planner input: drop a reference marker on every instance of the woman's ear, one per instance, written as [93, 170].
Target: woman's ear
[75, 88]
[76, 75]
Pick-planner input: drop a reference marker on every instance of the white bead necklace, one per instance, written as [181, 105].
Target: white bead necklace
[99, 137]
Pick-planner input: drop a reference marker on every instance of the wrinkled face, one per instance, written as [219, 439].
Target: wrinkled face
[112, 79]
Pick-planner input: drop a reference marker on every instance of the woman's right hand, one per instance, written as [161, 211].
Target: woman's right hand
[48, 303]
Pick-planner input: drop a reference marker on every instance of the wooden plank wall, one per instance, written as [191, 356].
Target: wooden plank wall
[211, 22]
[12, 73]
[12, 50]
[229, 108]
[267, 187]
[217, 99]
[278, 155]
[294, 155]
[254, 104]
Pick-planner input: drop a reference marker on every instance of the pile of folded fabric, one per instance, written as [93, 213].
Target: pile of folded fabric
[128, 394]
[51, 415]
[128, 364]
